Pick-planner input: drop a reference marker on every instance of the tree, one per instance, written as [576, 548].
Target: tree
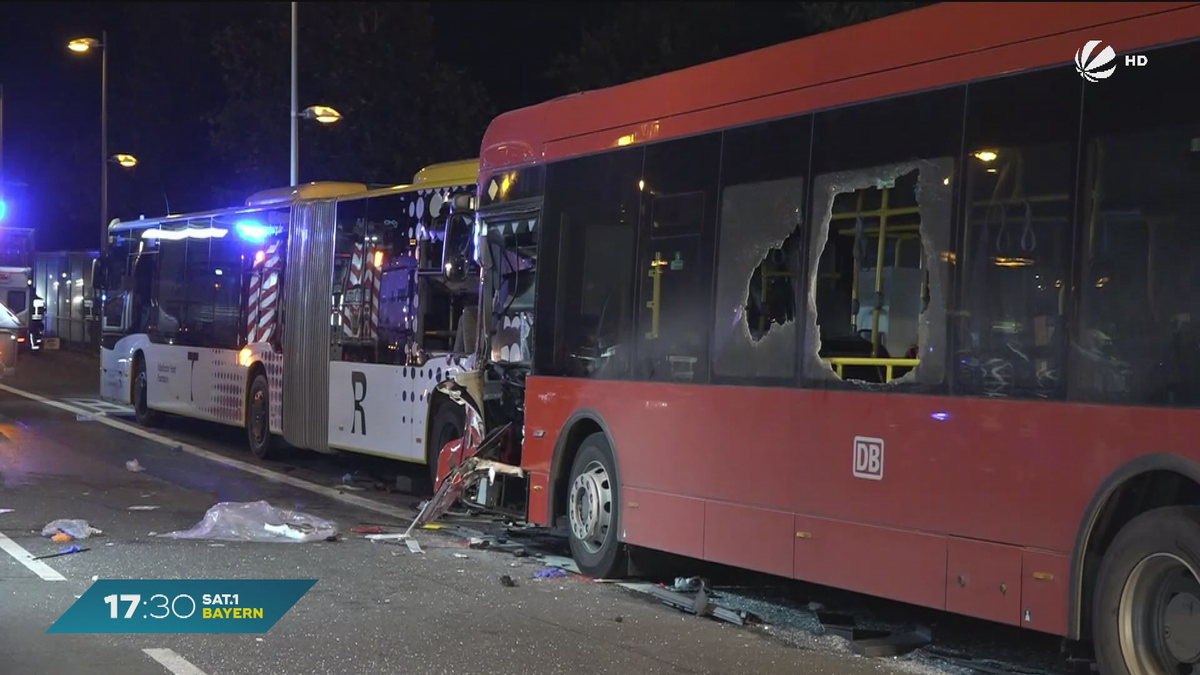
[374, 63]
[646, 39]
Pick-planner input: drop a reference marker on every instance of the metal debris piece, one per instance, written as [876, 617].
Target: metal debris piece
[66, 551]
[700, 605]
[141, 507]
[896, 644]
[413, 546]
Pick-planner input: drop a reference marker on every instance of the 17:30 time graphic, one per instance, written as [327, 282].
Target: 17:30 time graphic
[168, 605]
[182, 606]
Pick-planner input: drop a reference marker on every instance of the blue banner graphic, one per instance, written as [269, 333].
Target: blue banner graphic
[182, 606]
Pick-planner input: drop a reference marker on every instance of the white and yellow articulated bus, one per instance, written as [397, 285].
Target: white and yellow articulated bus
[320, 314]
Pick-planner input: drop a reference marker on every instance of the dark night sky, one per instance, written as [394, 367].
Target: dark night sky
[52, 100]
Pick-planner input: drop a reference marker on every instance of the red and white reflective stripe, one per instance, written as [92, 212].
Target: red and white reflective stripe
[351, 314]
[373, 299]
[264, 296]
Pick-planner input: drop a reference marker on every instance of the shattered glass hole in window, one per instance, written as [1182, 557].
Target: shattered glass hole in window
[878, 275]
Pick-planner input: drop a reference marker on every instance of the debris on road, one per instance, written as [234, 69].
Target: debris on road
[72, 527]
[550, 573]
[134, 466]
[895, 644]
[366, 529]
[846, 627]
[507, 582]
[394, 536]
[461, 555]
[66, 551]
[3, 511]
[413, 546]
[689, 585]
[257, 522]
[141, 507]
[85, 418]
[699, 604]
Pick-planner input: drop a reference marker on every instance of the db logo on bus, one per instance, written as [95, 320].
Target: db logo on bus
[868, 458]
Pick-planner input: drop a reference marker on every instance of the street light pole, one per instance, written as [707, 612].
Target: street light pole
[295, 120]
[103, 142]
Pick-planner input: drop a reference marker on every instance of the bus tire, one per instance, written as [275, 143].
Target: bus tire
[258, 418]
[141, 387]
[1144, 618]
[447, 425]
[593, 499]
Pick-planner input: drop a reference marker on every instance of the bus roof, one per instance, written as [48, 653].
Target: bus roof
[446, 174]
[916, 50]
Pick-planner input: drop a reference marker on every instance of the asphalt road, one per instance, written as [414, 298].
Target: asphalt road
[377, 608]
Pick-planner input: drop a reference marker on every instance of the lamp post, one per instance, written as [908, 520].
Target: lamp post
[295, 105]
[322, 114]
[80, 46]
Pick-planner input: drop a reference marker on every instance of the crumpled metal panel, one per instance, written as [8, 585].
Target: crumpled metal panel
[935, 204]
[307, 305]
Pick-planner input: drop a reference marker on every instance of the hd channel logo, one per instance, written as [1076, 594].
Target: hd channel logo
[182, 606]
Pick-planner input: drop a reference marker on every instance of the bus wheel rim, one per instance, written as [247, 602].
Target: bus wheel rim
[257, 424]
[1159, 617]
[591, 507]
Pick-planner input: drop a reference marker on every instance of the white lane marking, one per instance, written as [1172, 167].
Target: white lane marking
[173, 662]
[273, 476]
[46, 572]
[100, 406]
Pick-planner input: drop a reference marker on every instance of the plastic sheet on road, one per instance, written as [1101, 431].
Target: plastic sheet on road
[257, 522]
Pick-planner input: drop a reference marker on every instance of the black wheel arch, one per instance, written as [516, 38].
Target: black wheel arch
[1098, 507]
[581, 424]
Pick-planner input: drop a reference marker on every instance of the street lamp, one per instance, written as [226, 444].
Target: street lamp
[321, 113]
[82, 46]
[125, 160]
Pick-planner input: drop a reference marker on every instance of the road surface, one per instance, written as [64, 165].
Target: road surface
[376, 608]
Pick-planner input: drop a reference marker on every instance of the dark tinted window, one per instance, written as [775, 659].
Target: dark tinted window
[170, 292]
[1138, 340]
[591, 217]
[880, 241]
[676, 226]
[1015, 255]
[759, 265]
[196, 324]
[16, 301]
[227, 259]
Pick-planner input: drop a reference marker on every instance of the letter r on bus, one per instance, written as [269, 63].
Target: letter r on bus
[868, 458]
[358, 389]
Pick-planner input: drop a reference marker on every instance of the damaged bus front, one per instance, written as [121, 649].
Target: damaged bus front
[498, 227]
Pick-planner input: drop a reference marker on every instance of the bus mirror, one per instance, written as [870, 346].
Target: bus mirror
[462, 202]
[456, 244]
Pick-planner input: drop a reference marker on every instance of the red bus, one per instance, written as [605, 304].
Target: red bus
[904, 308]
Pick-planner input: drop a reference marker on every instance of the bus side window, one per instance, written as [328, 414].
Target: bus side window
[1015, 253]
[756, 330]
[880, 243]
[591, 210]
[163, 322]
[1137, 340]
[677, 220]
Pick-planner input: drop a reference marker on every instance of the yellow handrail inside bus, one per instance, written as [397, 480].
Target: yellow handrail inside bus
[840, 362]
[656, 273]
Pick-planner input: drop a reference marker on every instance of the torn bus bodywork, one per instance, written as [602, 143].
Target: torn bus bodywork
[464, 462]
